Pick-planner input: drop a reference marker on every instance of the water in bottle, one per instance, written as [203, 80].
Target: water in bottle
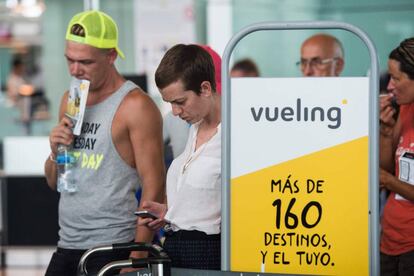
[65, 159]
[65, 162]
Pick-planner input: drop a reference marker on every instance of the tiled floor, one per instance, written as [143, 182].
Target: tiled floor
[26, 261]
[23, 272]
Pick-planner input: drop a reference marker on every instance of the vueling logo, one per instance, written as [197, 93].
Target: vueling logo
[300, 113]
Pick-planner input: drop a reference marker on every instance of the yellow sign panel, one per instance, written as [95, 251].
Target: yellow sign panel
[308, 215]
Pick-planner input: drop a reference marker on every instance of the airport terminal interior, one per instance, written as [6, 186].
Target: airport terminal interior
[33, 32]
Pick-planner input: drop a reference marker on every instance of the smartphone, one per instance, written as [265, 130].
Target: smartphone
[145, 214]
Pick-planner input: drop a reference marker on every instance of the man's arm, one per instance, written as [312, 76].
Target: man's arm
[145, 131]
[60, 134]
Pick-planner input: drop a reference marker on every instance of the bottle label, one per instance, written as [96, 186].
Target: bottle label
[67, 158]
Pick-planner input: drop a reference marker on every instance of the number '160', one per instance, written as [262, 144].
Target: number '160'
[291, 220]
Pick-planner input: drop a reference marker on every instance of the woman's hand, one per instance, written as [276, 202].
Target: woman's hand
[157, 209]
[387, 115]
[386, 179]
[392, 183]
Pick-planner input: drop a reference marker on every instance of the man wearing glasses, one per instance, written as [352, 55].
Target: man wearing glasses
[322, 55]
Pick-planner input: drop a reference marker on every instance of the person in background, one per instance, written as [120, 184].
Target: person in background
[244, 68]
[186, 79]
[120, 148]
[15, 80]
[321, 55]
[397, 163]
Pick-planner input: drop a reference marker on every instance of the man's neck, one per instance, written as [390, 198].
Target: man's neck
[111, 83]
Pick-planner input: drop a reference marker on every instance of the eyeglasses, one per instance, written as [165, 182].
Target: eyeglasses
[316, 62]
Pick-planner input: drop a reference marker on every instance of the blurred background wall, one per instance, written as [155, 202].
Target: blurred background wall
[32, 33]
[39, 37]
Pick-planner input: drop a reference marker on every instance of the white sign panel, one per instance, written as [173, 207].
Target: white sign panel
[288, 114]
[298, 147]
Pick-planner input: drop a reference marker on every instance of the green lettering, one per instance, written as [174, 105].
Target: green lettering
[91, 163]
[84, 160]
[99, 158]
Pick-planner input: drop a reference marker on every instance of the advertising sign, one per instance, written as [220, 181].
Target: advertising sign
[299, 176]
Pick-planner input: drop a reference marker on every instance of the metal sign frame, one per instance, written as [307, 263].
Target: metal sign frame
[373, 130]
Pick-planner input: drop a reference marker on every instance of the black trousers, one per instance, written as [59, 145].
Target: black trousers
[193, 249]
[65, 262]
[400, 265]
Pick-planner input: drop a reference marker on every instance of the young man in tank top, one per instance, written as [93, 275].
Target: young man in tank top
[119, 148]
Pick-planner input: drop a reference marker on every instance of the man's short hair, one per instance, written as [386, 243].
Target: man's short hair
[247, 66]
[17, 61]
[341, 48]
[338, 47]
[189, 63]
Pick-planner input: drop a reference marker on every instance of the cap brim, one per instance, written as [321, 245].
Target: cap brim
[120, 53]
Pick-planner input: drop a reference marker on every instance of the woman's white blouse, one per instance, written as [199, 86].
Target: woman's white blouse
[194, 186]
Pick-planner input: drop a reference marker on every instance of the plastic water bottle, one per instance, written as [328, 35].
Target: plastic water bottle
[65, 162]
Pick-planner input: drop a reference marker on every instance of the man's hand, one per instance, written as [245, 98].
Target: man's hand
[61, 134]
[135, 255]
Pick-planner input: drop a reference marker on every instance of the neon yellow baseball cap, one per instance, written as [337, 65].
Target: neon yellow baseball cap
[100, 30]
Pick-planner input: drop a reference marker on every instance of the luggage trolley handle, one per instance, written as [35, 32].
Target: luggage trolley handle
[154, 250]
[159, 266]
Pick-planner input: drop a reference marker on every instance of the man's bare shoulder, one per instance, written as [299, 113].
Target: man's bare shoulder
[138, 105]
[137, 98]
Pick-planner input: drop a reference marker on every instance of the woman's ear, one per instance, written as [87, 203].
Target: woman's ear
[205, 88]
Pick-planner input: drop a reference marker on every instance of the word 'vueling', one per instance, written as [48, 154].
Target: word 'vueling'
[298, 113]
